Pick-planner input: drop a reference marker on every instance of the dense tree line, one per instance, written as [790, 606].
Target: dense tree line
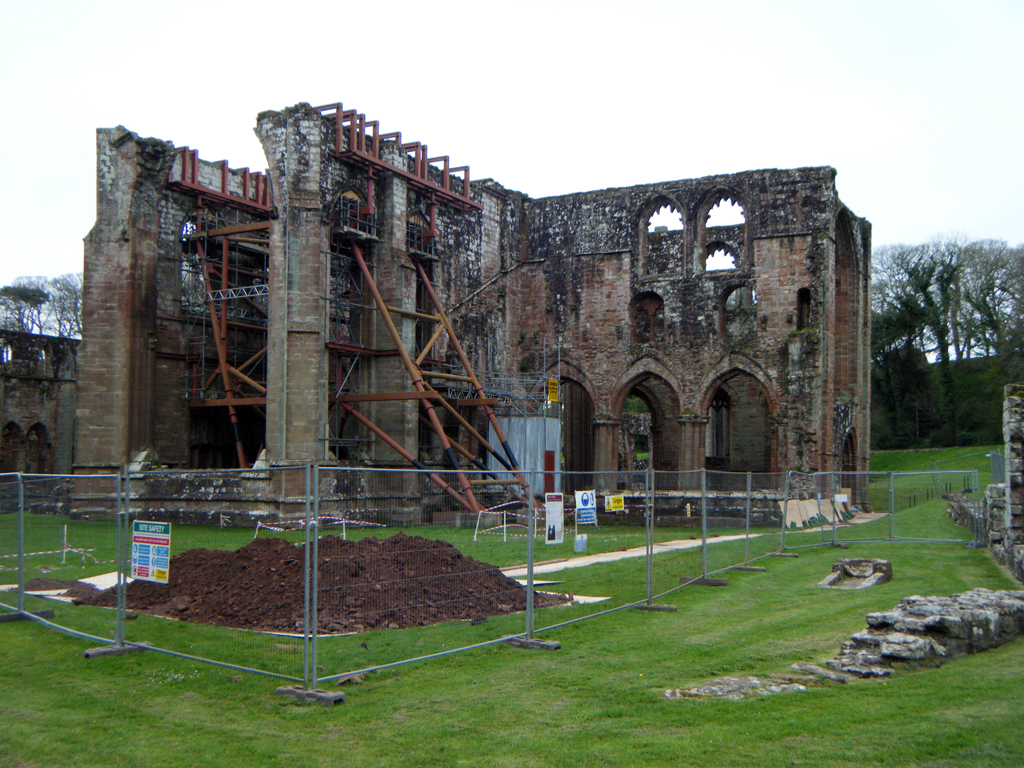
[947, 333]
[51, 306]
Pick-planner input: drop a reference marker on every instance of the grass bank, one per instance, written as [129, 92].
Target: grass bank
[597, 701]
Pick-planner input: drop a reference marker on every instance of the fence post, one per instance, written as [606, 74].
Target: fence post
[305, 605]
[121, 518]
[746, 538]
[704, 523]
[785, 512]
[835, 512]
[531, 531]
[649, 517]
[314, 594]
[975, 507]
[21, 543]
[892, 509]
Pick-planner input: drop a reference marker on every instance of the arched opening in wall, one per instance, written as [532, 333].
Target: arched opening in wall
[661, 238]
[803, 308]
[737, 312]
[419, 238]
[726, 213]
[722, 232]
[739, 435]
[37, 451]
[647, 318]
[223, 284]
[351, 213]
[719, 256]
[665, 219]
[6, 354]
[12, 443]
[635, 433]
[649, 419]
[577, 436]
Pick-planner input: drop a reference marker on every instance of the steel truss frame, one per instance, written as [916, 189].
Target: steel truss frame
[225, 290]
[232, 299]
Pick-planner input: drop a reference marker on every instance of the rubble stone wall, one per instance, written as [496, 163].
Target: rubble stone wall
[1003, 510]
[37, 403]
[770, 352]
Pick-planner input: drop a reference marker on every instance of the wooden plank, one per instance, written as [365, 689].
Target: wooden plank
[236, 229]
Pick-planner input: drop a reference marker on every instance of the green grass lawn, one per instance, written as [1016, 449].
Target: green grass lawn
[597, 701]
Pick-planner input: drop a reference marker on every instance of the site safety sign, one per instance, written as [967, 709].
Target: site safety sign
[552, 390]
[586, 508]
[151, 551]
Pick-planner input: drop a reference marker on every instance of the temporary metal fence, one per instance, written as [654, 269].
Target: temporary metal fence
[885, 495]
[321, 573]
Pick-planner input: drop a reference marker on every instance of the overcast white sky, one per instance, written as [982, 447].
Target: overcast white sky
[918, 105]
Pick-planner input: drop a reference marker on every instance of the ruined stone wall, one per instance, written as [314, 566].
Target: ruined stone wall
[37, 403]
[779, 340]
[134, 366]
[602, 270]
[1004, 502]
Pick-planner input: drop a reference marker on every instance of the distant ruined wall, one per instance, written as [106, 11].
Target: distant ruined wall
[37, 403]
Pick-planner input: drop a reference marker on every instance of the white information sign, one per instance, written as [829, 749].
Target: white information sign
[554, 510]
[586, 508]
[151, 551]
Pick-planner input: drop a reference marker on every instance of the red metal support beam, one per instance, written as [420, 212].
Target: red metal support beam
[474, 507]
[369, 154]
[429, 288]
[417, 379]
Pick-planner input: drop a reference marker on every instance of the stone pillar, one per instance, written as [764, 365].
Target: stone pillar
[692, 449]
[1013, 436]
[116, 359]
[606, 443]
[297, 359]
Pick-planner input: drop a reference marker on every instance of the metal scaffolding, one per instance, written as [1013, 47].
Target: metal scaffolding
[224, 284]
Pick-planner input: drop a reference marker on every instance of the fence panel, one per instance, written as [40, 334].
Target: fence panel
[406, 571]
[69, 536]
[310, 574]
[709, 522]
[864, 506]
[234, 595]
[11, 542]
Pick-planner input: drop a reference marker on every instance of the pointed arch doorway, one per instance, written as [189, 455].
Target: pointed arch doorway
[739, 436]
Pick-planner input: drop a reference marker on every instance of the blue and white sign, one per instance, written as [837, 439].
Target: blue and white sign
[586, 508]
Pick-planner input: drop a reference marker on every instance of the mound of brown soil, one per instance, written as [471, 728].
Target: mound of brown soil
[398, 582]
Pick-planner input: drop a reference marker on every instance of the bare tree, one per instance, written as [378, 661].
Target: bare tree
[65, 310]
[23, 305]
[41, 305]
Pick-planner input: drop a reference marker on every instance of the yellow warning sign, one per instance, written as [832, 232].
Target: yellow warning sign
[552, 390]
[615, 503]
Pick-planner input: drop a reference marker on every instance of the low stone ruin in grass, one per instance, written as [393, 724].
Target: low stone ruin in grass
[928, 631]
[919, 632]
[857, 573]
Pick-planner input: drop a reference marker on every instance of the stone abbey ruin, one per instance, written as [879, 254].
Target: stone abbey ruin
[364, 302]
